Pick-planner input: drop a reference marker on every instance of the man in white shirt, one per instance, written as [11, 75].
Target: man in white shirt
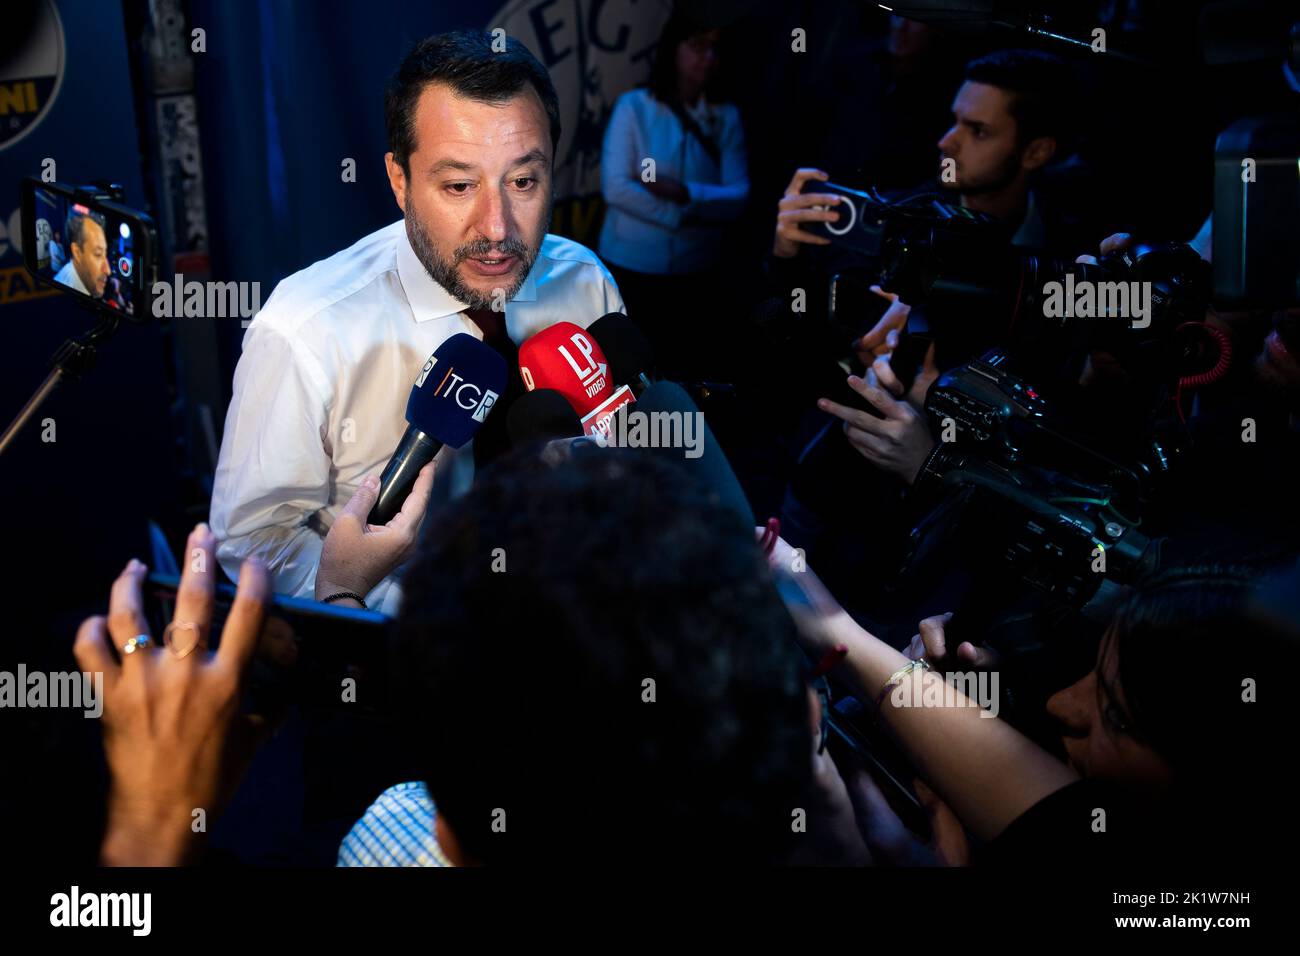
[321, 387]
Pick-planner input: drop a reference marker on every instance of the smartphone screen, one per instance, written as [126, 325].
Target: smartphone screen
[98, 250]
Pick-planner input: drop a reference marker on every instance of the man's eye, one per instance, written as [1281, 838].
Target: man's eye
[525, 182]
[458, 188]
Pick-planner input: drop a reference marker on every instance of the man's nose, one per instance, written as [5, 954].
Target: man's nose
[493, 216]
[1073, 707]
[948, 142]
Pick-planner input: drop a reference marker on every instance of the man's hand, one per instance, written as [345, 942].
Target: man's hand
[357, 555]
[883, 336]
[932, 645]
[174, 739]
[882, 373]
[673, 190]
[899, 443]
[1112, 243]
[795, 208]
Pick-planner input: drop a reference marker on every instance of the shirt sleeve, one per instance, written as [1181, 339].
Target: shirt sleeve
[714, 202]
[620, 171]
[273, 472]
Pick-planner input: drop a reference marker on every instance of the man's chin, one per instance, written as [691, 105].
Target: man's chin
[490, 287]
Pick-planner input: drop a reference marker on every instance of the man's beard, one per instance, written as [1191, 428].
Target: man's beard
[996, 181]
[446, 272]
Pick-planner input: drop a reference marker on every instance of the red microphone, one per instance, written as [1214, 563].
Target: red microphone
[563, 357]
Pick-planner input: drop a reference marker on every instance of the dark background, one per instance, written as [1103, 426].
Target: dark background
[236, 152]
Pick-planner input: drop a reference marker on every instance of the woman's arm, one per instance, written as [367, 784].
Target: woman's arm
[620, 171]
[718, 202]
[986, 770]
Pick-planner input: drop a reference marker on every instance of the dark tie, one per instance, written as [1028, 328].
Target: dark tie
[492, 439]
[492, 324]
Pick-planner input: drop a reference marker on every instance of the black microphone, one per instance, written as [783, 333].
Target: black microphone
[541, 415]
[627, 350]
[450, 400]
[665, 406]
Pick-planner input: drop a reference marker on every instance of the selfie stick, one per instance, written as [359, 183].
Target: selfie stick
[75, 356]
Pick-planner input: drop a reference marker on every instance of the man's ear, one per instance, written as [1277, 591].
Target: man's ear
[396, 180]
[1038, 153]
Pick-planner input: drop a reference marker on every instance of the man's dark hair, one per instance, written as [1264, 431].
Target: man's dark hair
[1041, 88]
[77, 226]
[593, 654]
[466, 62]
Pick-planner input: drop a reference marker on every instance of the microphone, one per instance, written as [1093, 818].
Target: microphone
[631, 360]
[541, 415]
[451, 398]
[565, 358]
[663, 405]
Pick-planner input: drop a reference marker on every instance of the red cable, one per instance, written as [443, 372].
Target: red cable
[1220, 367]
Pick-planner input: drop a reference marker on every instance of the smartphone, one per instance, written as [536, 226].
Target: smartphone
[852, 308]
[861, 222]
[308, 651]
[81, 241]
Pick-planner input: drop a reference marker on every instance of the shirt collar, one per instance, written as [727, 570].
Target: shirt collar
[428, 299]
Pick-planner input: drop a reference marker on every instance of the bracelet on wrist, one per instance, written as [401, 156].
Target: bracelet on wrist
[897, 677]
[338, 595]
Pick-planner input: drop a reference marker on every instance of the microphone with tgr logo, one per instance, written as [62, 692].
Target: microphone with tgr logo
[565, 358]
[452, 397]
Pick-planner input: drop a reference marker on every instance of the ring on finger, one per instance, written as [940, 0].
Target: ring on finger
[139, 642]
[183, 638]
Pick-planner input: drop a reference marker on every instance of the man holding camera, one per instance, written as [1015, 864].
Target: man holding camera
[1007, 126]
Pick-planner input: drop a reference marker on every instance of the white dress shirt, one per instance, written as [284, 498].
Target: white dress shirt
[321, 387]
[645, 233]
[70, 277]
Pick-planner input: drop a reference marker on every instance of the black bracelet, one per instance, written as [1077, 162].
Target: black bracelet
[346, 594]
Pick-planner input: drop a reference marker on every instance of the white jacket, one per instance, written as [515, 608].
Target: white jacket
[645, 233]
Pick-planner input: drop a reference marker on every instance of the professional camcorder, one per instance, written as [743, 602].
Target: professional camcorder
[1058, 515]
[978, 290]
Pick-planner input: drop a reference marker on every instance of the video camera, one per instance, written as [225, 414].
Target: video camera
[979, 290]
[1058, 515]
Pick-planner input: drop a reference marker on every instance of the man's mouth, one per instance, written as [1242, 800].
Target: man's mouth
[492, 265]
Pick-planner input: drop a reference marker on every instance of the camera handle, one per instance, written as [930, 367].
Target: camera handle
[73, 358]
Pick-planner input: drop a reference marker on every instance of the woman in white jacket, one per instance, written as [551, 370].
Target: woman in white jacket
[673, 172]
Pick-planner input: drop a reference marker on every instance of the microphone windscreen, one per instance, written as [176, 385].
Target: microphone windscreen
[709, 465]
[541, 415]
[456, 390]
[626, 348]
[565, 358]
